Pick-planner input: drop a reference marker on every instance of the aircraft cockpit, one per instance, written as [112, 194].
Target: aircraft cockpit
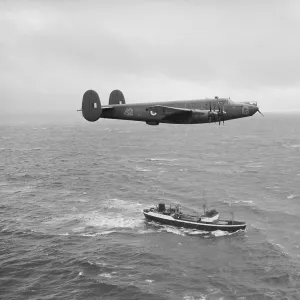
[229, 101]
[226, 101]
[254, 103]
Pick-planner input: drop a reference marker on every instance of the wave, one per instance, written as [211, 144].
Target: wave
[230, 202]
[161, 159]
[107, 275]
[191, 232]
[254, 165]
[146, 231]
[277, 246]
[292, 196]
[291, 145]
[222, 163]
[122, 205]
[219, 233]
[139, 169]
[98, 233]
[95, 221]
[198, 297]
[26, 149]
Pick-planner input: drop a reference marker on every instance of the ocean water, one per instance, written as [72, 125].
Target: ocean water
[72, 195]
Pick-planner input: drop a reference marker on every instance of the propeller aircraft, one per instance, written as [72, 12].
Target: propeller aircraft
[174, 112]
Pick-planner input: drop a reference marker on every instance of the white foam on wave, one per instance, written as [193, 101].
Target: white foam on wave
[278, 246]
[106, 275]
[198, 297]
[230, 202]
[292, 196]
[220, 233]
[123, 205]
[221, 163]
[291, 145]
[161, 159]
[117, 214]
[146, 231]
[272, 187]
[111, 220]
[173, 230]
[139, 169]
[28, 149]
[195, 232]
[97, 263]
[254, 165]
[107, 232]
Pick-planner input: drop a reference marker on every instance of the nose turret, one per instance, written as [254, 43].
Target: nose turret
[253, 109]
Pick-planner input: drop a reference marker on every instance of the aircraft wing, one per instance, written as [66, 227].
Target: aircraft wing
[170, 113]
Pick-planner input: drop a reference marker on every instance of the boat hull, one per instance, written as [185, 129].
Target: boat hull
[169, 220]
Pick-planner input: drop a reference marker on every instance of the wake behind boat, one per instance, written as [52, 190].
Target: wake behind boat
[208, 221]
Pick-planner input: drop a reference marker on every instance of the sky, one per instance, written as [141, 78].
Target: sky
[51, 52]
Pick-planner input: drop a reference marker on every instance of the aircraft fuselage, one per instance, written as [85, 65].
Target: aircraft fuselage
[174, 112]
[139, 112]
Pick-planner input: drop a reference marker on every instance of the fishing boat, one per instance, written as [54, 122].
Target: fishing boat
[208, 221]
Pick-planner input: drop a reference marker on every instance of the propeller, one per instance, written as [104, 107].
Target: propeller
[221, 114]
[260, 112]
[210, 114]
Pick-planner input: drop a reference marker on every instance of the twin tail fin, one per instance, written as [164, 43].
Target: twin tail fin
[91, 104]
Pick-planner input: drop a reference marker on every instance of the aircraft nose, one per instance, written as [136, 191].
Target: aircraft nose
[253, 109]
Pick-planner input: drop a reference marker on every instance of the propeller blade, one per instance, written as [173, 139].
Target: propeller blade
[260, 112]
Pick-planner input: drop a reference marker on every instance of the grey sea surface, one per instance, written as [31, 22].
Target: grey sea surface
[72, 195]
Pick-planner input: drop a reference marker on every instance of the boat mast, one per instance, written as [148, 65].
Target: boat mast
[204, 205]
[232, 216]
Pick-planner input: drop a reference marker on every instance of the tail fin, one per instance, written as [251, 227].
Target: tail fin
[116, 97]
[91, 106]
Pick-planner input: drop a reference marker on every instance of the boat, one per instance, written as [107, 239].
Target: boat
[208, 221]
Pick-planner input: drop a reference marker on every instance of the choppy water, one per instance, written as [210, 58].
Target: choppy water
[71, 200]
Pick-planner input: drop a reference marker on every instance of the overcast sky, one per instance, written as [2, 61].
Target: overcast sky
[52, 51]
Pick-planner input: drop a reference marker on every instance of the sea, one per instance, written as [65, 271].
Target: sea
[72, 195]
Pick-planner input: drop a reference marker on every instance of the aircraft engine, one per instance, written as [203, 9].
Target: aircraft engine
[91, 106]
[116, 97]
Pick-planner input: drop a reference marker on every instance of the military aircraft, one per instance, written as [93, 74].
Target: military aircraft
[174, 112]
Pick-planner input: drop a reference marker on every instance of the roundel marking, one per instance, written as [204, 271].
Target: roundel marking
[153, 113]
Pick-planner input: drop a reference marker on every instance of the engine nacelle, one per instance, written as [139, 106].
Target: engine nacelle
[152, 122]
[116, 97]
[91, 106]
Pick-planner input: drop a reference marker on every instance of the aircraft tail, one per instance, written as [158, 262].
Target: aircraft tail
[116, 97]
[91, 106]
